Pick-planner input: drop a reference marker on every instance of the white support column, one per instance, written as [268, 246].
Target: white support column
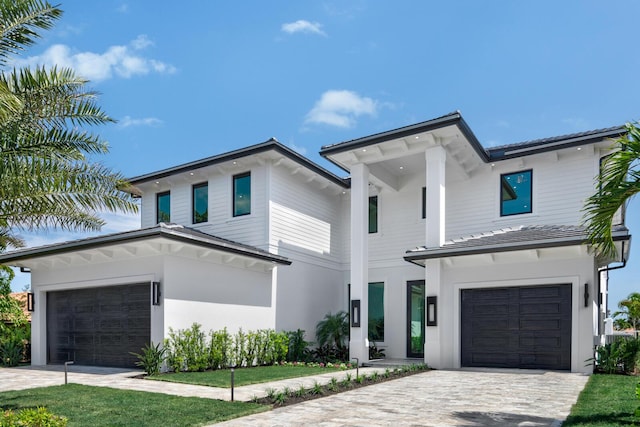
[435, 158]
[359, 344]
[435, 224]
[432, 351]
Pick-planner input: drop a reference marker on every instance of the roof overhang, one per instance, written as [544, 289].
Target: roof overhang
[156, 240]
[394, 154]
[621, 238]
[224, 162]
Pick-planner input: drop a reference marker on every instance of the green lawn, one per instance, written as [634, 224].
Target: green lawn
[101, 406]
[607, 400]
[243, 376]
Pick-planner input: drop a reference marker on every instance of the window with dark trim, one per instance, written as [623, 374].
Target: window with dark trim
[373, 214]
[424, 202]
[376, 311]
[163, 207]
[242, 194]
[200, 203]
[515, 193]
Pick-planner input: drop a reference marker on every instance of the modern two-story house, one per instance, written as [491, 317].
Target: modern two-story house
[438, 247]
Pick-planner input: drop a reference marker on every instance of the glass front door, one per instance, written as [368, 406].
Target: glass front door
[415, 318]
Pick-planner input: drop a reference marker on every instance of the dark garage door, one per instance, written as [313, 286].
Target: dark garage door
[98, 326]
[517, 327]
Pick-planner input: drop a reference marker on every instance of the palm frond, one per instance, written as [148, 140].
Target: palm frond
[618, 182]
[20, 22]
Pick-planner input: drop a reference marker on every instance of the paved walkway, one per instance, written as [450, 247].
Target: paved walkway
[436, 398]
[29, 377]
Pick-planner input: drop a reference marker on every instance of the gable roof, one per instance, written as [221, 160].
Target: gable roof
[511, 239]
[170, 231]
[487, 155]
[271, 144]
[454, 118]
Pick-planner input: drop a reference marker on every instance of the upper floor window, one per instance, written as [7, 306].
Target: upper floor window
[515, 193]
[424, 202]
[200, 203]
[242, 194]
[163, 207]
[373, 214]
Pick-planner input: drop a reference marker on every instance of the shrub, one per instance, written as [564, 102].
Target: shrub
[333, 330]
[220, 343]
[151, 358]
[298, 348]
[620, 356]
[33, 417]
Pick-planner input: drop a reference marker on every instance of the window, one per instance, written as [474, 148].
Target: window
[242, 194]
[424, 202]
[373, 214]
[515, 193]
[163, 207]
[376, 311]
[200, 203]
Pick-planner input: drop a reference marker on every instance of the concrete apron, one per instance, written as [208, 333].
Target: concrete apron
[439, 398]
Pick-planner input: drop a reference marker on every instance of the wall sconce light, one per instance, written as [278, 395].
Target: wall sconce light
[31, 302]
[432, 311]
[355, 313]
[586, 295]
[155, 293]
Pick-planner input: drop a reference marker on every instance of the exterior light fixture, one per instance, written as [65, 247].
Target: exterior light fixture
[586, 295]
[355, 313]
[155, 293]
[31, 302]
[432, 311]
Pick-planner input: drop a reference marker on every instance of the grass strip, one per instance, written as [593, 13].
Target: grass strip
[607, 400]
[243, 376]
[102, 406]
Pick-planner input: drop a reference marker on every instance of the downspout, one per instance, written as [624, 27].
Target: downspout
[608, 269]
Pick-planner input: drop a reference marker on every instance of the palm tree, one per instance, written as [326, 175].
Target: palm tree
[619, 181]
[46, 178]
[630, 310]
[333, 330]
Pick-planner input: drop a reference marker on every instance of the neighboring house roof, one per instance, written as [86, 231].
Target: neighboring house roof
[170, 231]
[512, 239]
[486, 154]
[271, 144]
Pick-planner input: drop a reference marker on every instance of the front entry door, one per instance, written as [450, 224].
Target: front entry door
[415, 318]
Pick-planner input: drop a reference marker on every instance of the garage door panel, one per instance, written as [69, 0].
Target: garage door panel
[539, 309]
[531, 330]
[539, 292]
[98, 326]
[541, 325]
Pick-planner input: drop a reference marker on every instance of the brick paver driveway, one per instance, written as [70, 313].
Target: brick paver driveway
[439, 398]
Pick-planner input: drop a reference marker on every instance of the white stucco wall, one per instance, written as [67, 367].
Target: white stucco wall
[306, 292]
[216, 296]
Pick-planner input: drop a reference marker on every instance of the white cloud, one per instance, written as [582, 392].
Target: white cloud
[297, 148]
[120, 61]
[128, 121]
[341, 108]
[303, 26]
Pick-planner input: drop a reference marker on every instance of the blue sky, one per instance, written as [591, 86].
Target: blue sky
[200, 78]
